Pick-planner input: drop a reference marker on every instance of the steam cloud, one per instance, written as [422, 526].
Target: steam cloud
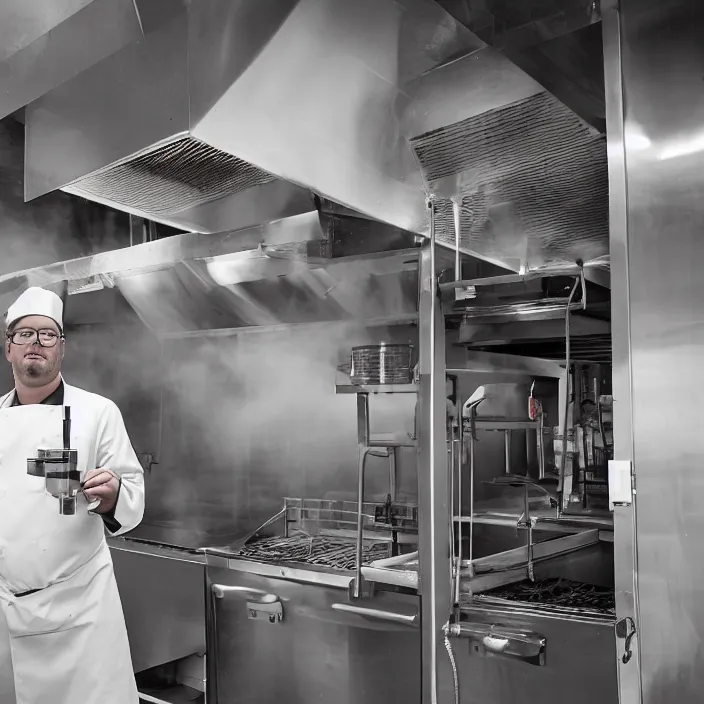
[246, 420]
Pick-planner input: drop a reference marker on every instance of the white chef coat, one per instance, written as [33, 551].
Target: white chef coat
[67, 640]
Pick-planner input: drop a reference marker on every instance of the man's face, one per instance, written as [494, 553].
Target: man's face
[34, 364]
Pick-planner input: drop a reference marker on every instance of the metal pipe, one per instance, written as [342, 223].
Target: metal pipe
[472, 438]
[472, 407]
[364, 450]
[541, 446]
[392, 473]
[377, 614]
[363, 420]
[161, 405]
[357, 587]
[507, 451]
[458, 524]
[433, 471]
[456, 214]
[577, 282]
[432, 411]
[453, 532]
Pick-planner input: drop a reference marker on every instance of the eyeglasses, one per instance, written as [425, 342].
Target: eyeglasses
[28, 336]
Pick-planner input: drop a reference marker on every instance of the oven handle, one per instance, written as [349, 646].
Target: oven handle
[378, 614]
[220, 591]
[503, 642]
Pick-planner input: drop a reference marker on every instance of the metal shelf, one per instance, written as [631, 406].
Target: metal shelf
[391, 440]
[505, 279]
[173, 695]
[541, 519]
[376, 389]
[499, 424]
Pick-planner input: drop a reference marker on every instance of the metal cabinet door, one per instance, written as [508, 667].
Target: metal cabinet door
[274, 640]
[579, 662]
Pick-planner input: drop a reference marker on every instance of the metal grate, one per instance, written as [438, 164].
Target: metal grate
[322, 550]
[532, 180]
[181, 174]
[588, 348]
[556, 592]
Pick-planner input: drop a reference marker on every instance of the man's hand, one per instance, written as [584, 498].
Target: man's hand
[102, 485]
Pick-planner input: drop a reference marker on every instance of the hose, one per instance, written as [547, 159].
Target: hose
[453, 664]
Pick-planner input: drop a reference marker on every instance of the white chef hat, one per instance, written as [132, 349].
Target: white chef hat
[36, 301]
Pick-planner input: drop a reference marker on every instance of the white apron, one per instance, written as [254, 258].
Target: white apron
[67, 641]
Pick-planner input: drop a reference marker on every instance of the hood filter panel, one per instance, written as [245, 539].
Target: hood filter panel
[181, 174]
[531, 179]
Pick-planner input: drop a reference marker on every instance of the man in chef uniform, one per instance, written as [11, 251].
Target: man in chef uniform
[58, 596]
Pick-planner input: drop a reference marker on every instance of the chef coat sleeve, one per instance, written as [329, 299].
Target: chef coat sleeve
[115, 452]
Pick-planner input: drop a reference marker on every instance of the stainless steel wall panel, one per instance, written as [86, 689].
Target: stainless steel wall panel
[654, 50]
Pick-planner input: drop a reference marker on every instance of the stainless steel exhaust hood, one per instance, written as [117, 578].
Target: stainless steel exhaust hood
[208, 121]
[38, 47]
[249, 93]
[231, 101]
[276, 274]
[522, 175]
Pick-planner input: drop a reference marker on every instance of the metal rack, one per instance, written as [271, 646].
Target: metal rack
[507, 426]
[378, 446]
[318, 515]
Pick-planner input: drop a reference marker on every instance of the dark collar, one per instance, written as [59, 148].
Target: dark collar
[55, 398]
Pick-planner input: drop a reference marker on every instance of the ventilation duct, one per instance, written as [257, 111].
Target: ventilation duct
[526, 180]
[208, 122]
[193, 283]
[38, 47]
[557, 42]
[345, 99]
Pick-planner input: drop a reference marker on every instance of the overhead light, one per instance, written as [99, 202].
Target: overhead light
[85, 285]
[252, 265]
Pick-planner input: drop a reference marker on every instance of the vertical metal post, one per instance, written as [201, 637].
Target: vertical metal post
[392, 473]
[456, 215]
[458, 524]
[433, 480]
[625, 545]
[363, 442]
[362, 420]
[472, 462]
[541, 445]
[507, 451]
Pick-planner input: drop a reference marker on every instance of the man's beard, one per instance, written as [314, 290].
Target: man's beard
[33, 370]
[37, 373]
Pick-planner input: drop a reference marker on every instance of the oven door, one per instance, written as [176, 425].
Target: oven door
[575, 663]
[277, 640]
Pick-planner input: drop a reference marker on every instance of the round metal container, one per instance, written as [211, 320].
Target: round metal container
[382, 364]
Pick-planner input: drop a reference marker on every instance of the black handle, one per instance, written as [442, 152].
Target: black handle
[67, 427]
[626, 628]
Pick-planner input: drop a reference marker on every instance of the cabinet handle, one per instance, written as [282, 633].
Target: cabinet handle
[220, 591]
[503, 642]
[260, 604]
[391, 616]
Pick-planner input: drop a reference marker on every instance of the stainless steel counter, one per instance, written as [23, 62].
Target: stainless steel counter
[156, 550]
[309, 575]
[162, 596]
[292, 633]
[276, 639]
